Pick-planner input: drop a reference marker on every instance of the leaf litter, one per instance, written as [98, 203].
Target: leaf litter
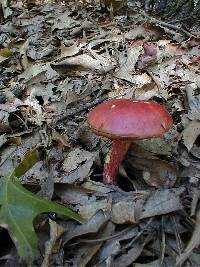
[59, 61]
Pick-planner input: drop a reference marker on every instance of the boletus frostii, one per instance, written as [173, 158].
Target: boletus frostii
[124, 121]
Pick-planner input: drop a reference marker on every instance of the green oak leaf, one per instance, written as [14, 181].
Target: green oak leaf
[19, 207]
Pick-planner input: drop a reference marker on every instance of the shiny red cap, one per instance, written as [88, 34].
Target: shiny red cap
[128, 119]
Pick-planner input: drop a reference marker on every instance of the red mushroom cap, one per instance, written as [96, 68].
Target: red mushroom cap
[128, 119]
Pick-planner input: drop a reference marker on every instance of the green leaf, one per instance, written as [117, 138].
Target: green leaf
[30, 159]
[5, 52]
[19, 207]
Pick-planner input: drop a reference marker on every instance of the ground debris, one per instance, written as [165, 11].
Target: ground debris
[58, 61]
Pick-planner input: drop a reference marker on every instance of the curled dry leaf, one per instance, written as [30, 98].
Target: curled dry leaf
[93, 225]
[10, 153]
[97, 187]
[193, 43]
[139, 32]
[7, 11]
[168, 49]
[38, 71]
[2, 59]
[4, 123]
[68, 51]
[87, 137]
[82, 63]
[3, 140]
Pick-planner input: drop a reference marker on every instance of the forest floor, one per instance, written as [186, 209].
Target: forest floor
[57, 62]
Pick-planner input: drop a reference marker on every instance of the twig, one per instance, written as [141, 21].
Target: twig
[163, 243]
[166, 24]
[70, 113]
[106, 237]
[178, 239]
[73, 112]
[139, 234]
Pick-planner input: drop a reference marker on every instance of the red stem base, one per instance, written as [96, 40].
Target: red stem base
[113, 161]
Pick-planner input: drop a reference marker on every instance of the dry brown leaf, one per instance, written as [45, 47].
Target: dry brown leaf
[55, 232]
[127, 211]
[129, 61]
[82, 63]
[88, 249]
[90, 208]
[140, 32]
[156, 172]
[190, 134]
[87, 201]
[157, 203]
[62, 139]
[193, 99]
[91, 226]
[2, 59]
[162, 202]
[195, 200]
[168, 262]
[162, 145]
[150, 54]
[65, 21]
[68, 51]
[76, 166]
[97, 187]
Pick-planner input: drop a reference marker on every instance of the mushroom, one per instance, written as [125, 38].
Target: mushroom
[124, 121]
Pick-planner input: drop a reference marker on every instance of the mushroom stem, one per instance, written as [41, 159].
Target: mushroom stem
[113, 161]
